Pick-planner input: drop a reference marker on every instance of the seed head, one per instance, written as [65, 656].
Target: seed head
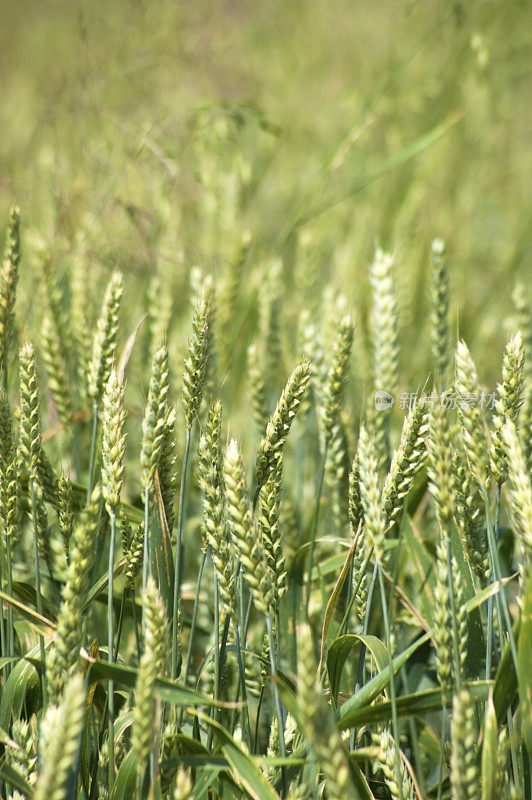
[385, 317]
[153, 424]
[337, 376]
[105, 339]
[278, 428]
[8, 284]
[30, 423]
[113, 442]
[507, 404]
[247, 543]
[196, 363]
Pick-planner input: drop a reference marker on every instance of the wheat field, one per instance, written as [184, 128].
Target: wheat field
[265, 401]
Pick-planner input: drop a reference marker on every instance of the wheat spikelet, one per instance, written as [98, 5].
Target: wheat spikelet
[55, 370]
[133, 550]
[356, 518]
[64, 652]
[214, 529]
[9, 489]
[268, 525]
[196, 363]
[440, 468]
[384, 323]
[524, 321]
[167, 467]
[519, 488]
[465, 779]
[334, 385]
[270, 300]
[42, 531]
[48, 479]
[152, 665]
[526, 425]
[183, 786]
[113, 442]
[386, 760]
[159, 314]
[461, 614]
[59, 741]
[469, 518]
[374, 519]
[406, 461]
[21, 753]
[472, 426]
[507, 404]
[153, 424]
[319, 727]
[440, 312]
[337, 473]
[8, 285]
[278, 428]
[105, 338]
[30, 423]
[228, 298]
[443, 623]
[257, 386]
[248, 545]
[66, 511]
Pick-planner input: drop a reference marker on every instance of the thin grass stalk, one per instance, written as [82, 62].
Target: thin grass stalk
[194, 615]
[245, 722]
[216, 690]
[517, 762]
[452, 603]
[276, 696]
[92, 452]
[489, 630]
[257, 719]
[362, 657]
[10, 627]
[120, 624]
[295, 621]
[393, 700]
[489, 637]
[219, 654]
[146, 553]
[416, 751]
[442, 753]
[345, 619]
[178, 564]
[3, 648]
[502, 601]
[110, 649]
[319, 490]
[33, 501]
[136, 625]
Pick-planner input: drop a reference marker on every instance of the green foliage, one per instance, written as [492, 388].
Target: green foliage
[296, 228]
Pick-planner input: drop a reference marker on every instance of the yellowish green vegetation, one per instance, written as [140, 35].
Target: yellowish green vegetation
[266, 404]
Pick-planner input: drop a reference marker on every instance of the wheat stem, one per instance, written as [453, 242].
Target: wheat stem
[146, 549]
[277, 699]
[319, 490]
[242, 676]
[453, 609]
[110, 646]
[393, 700]
[38, 594]
[92, 451]
[194, 616]
[178, 564]
[502, 601]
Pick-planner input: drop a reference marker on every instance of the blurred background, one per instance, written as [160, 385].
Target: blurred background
[162, 137]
